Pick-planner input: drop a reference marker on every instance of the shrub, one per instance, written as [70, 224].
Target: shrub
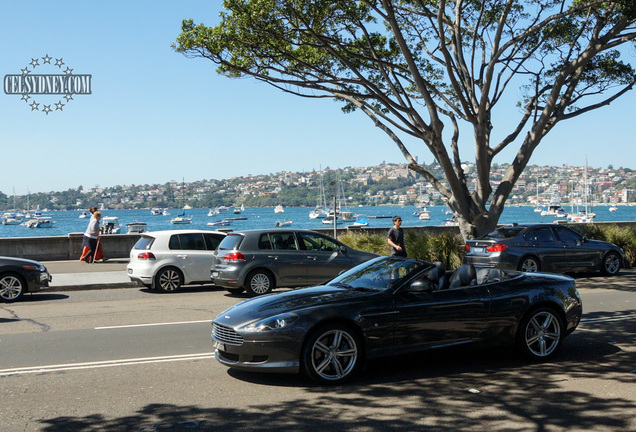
[446, 247]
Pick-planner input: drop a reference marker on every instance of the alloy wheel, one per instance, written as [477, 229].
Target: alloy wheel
[334, 355]
[11, 288]
[542, 334]
[169, 280]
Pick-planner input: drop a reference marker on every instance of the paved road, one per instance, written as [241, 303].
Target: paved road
[118, 360]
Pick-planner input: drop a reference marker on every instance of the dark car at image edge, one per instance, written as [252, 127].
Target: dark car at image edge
[543, 247]
[19, 276]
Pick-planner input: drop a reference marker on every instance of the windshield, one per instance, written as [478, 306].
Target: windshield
[380, 273]
[503, 233]
[231, 242]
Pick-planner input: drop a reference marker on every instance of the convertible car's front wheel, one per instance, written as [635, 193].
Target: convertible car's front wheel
[540, 334]
[332, 354]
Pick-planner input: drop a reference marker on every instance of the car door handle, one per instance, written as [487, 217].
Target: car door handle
[182, 256]
[312, 257]
[272, 256]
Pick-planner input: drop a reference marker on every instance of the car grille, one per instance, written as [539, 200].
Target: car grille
[226, 335]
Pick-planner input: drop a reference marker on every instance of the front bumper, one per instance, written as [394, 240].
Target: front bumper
[259, 352]
[39, 281]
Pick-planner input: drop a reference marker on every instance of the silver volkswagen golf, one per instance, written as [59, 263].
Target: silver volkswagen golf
[258, 261]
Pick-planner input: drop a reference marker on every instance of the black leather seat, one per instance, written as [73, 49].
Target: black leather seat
[465, 275]
[437, 276]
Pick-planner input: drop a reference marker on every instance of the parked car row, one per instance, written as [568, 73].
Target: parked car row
[255, 261]
[258, 261]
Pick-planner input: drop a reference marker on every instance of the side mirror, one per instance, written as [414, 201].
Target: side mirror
[421, 285]
[585, 239]
[343, 249]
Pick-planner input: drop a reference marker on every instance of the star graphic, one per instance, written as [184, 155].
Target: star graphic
[25, 71]
[34, 106]
[59, 105]
[25, 97]
[35, 62]
[59, 63]
[68, 71]
[47, 109]
[68, 97]
[47, 59]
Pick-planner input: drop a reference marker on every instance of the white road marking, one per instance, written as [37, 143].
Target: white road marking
[152, 324]
[103, 364]
[613, 318]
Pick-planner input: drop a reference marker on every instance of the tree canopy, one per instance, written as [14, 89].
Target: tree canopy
[415, 67]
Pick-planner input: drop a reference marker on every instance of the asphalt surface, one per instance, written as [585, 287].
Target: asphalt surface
[79, 275]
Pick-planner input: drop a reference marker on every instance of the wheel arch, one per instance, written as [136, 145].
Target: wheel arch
[21, 278]
[162, 268]
[539, 305]
[335, 321]
[262, 269]
[530, 255]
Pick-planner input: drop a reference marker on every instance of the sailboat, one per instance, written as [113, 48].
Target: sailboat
[422, 213]
[319, 211]
[538, 208]
[182, 218]
[584, 216]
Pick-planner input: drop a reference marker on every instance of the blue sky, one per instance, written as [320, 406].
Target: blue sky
[156, 116]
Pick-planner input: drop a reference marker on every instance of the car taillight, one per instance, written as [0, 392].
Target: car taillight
[146, 256]
[497, 247]
[466, 248]
[234, 257]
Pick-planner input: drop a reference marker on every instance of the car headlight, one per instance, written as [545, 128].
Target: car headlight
[271, 323]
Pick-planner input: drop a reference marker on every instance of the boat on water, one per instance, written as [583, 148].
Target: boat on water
[283, 223]
[279, 209]
[318, 213]
[137, 227]
[329, 220]
[110, 225]
[181, 220]
[424, 214]
[613, 208]
[41, 222]
[222, 222]
[155, 211]
[555, 210]
[361, 221]
[165, 212]
[11, 219]
[84, 215]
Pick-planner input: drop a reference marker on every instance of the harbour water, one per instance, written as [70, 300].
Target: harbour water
[69, 221]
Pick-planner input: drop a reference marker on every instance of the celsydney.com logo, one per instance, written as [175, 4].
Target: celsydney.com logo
[31, 85]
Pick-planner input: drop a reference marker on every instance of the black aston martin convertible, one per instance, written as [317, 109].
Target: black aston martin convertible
[393, 305]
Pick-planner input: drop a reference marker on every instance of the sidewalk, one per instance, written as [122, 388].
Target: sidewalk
[78, 275]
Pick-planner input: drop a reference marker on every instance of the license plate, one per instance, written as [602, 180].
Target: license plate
[215, 274]
[219, 346]
[477, 249]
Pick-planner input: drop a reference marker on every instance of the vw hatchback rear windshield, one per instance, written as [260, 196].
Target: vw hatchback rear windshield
[231, 242]
[144, 243]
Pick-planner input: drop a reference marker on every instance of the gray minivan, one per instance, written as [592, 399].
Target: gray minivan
[258, 261]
